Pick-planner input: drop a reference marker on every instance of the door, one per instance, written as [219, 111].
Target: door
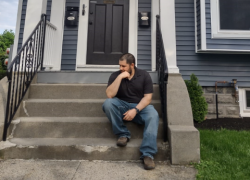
[107, 31]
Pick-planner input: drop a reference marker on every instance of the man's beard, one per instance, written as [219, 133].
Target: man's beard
[129, 70]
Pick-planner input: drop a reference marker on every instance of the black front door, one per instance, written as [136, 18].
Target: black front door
[107, 31]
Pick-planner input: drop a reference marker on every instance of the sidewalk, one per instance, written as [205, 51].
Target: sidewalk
[91, 170]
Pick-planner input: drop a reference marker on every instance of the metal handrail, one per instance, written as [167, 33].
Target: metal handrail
[22, 70]
[162, 69]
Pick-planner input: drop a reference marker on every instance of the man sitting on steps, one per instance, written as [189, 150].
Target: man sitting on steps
[130, 93]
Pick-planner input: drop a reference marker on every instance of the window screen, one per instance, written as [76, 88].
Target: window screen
[234, 14]
[248, 98]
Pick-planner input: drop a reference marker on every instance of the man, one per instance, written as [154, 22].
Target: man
[130, 93]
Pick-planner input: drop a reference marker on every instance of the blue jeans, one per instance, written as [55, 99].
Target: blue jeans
[115, 108]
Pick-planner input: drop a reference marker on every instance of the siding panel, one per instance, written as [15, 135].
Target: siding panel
[208, 67]
[48, 11]
[144, 39]
[70, 37]
[22, 25]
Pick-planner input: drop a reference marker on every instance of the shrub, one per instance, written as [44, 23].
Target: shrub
[198, 102]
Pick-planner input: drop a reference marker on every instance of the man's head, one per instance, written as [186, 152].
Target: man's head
[127, 62]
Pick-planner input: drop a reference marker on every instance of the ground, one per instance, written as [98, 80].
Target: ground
[91, 170]
[227, 123]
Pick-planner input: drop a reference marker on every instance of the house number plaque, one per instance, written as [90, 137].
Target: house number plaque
[109, 1]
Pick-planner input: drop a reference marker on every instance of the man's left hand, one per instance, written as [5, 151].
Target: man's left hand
[129, 115]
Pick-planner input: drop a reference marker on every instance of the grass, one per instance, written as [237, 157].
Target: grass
[225, 154]
[2, 74]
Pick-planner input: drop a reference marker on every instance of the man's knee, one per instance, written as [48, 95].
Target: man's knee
[108, 103]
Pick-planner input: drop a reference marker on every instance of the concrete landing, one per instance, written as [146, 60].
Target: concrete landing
[91, 170]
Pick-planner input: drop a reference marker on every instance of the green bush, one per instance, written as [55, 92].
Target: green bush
[198, 102]
[2, 74]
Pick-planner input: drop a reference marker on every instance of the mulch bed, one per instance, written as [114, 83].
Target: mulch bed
[227, 123]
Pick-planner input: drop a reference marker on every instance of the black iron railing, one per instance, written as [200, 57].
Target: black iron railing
[162, 68]
[22, 70]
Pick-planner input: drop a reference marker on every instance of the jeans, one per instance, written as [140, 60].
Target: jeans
[115, 108]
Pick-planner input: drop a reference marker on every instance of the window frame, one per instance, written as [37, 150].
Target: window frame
[217, 33]
[244, 110]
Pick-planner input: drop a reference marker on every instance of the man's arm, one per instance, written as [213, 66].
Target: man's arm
[112, 90]
[130, 114]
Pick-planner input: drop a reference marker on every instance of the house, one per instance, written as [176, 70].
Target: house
[84, 39]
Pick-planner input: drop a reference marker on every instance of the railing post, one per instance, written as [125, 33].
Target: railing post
[6, 125]
[44, 33]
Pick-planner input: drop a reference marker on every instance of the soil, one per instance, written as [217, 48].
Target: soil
[227, 123]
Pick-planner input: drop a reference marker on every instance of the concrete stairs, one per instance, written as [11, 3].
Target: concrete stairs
[66, 121]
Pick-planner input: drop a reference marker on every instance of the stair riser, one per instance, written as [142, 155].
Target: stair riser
[76, 130]
[77, 153]
[66, 109]
[74, 92]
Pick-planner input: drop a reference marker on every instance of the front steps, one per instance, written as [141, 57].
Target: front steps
[66, 122]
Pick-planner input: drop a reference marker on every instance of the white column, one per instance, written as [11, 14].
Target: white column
[57, 19]
[167, 19]
[17, 31]
[35, 8]
[155, 11]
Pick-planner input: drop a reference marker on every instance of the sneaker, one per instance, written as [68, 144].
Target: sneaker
[122, 141]
[148, 163]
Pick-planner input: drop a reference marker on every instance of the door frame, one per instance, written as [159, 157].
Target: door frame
[81, 56]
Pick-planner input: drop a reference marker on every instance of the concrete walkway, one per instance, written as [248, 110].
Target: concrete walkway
[91, 170]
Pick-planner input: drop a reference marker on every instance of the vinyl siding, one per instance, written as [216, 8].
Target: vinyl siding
[48, 10]
[235, 44]
[198, 23]
[208, 67]
[70, 37]
[22, 24]
[144, 39]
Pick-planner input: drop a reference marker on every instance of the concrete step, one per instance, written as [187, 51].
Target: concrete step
[74, 91]
[72, 127]
[77, 149]
[67, 108]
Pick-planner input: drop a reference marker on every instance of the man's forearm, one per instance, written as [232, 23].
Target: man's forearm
[112, 90]
[144, 102]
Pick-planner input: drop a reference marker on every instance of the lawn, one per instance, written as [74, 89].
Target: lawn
[225, 154]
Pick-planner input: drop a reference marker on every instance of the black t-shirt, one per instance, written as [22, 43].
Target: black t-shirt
[133, 90]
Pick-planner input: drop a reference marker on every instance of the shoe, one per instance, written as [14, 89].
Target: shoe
[122, 141]
[148, 163]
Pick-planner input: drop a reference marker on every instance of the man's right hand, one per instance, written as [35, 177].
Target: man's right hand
[124, 74]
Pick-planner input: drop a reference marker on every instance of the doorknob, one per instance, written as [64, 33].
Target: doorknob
[90, 22]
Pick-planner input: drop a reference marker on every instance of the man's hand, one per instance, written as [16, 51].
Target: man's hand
[125, 74]
[129, 115]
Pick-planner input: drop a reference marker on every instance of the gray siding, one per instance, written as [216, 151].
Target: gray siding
[237, 44]
[22, 24]
[69, 48]
[208, 67]
[48, 10]
[144, 39]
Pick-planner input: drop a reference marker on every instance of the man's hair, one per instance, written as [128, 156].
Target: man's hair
[128, 57]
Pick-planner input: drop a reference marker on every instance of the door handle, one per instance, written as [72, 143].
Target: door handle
[90, 22]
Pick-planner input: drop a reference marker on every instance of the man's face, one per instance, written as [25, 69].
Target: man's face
[125, 67]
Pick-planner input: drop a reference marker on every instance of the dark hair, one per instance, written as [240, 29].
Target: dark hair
[128, 57]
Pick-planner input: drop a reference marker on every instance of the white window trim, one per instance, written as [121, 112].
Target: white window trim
[224, 34]
[81, 56]
[244, 112]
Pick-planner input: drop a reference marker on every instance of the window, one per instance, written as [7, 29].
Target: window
[248, 99]
[230, 19]
[244, 102]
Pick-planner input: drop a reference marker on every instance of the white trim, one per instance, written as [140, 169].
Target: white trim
[18, 21]
[57, 19]
[224, 34]
[203, 25]
[133, 28]
[167, 19]
[195, 27]
[83, 33]
[244, 112]
[227, 51]
[155, 11]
